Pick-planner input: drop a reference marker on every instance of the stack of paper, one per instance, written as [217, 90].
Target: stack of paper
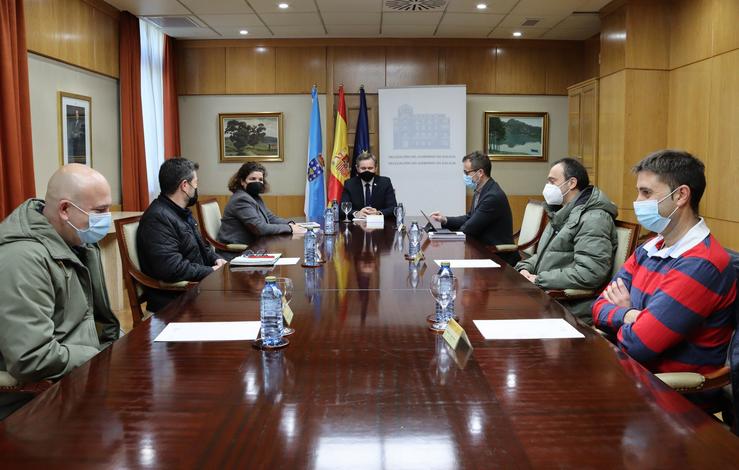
[310, 224]
[540, 328]
[210, 331]
[268, 259]
[469, 263]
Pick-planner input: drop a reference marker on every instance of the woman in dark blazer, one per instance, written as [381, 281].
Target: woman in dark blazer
[246, 217]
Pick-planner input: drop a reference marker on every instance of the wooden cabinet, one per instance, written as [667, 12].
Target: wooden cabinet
[582, 135]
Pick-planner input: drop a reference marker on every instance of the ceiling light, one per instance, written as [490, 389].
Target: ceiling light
[283, 5]
[243, 32]
[517, 34]
[481, 6]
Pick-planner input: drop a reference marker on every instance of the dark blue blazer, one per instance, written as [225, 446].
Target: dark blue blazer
[383, 195]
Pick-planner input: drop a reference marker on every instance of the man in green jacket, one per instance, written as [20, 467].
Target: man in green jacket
[54, 313]
[577, 247]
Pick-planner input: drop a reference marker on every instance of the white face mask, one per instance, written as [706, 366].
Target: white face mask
[552, 194]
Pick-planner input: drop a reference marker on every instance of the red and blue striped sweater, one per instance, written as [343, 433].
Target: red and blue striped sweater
[687, 308]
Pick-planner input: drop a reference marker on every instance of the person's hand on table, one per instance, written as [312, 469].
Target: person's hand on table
[437, 216]
[617, 294]
[219, 262]
[528, 275]
[297, 229]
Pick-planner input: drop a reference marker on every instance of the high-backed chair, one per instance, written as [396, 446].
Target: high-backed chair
[532, 227]
[627, 235]
[135, 280]
[690, 382]
[209, 213]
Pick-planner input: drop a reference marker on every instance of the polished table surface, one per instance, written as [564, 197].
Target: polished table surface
[363, 382]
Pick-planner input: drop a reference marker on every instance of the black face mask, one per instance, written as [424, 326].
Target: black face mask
[367, 175]
[192, 200]
[255, 188]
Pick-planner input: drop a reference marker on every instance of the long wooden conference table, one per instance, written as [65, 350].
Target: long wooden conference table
[363, 382]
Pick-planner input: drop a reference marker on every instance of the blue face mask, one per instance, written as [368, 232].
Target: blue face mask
[647, 213]
[469, 182]
[98, 226]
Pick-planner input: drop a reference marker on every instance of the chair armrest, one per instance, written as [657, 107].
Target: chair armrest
[687, 382]
[236, 247]
[176, 286]
[504, 248]
[571, 294]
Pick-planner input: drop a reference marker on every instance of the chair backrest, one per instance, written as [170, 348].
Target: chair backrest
[209, 213]
[533, 224]
[734, 351]
[627, 235]
[126, 235]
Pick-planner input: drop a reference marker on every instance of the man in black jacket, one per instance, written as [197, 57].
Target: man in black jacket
[489, 220]
[169, 244]
[369, 194]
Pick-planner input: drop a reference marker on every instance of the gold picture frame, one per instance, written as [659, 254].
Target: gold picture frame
[516, 136]
[250, 137]
[74, 128]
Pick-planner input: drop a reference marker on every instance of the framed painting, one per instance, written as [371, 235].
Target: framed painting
[75, 132]
[516, 136]
[251, 137]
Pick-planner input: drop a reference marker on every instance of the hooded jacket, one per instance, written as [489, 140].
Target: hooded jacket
[55, 313]
[577, 247]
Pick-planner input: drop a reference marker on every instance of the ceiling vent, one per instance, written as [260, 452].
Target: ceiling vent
[531, 22]
[165, 22]
[415, 5]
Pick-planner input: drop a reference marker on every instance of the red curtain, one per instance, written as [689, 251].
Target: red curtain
[135, 192]
[171, 110]
[16, 152]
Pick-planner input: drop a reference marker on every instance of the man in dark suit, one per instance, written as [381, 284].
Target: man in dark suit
[489, 219]
[369, 194]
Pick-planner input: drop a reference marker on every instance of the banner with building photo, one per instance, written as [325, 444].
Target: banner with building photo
[422, 142]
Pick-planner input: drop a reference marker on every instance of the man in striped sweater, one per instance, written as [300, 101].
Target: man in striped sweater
[671, 305]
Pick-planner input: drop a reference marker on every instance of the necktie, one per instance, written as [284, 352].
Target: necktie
[367, 194]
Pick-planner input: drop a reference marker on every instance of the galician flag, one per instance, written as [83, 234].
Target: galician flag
[315, 193]
[340, 164]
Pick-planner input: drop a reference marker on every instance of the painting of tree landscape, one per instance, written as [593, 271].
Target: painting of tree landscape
[251, 137]
[515, 136]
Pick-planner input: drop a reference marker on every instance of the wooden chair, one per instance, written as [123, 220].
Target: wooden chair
[628, 235]
[134, 279]
[209, 213]
[532, 227]
[689, 382]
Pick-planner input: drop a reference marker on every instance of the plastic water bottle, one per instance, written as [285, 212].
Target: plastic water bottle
[309, 247]
[414, 240]
[270, 310]
[335, 207]
[445, 271]
[328, 221]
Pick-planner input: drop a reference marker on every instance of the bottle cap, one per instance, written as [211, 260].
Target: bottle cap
[445, 264]
[270, 278]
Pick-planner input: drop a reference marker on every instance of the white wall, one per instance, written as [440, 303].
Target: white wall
[46, 77]
[199, 138]
[524, 178]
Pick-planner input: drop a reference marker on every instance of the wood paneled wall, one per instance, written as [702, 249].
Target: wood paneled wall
[669, 79]
[83, 33]
[289, 66]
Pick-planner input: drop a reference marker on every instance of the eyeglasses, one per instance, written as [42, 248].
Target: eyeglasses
[469, 172]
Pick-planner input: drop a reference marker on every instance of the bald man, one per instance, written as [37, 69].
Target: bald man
[54, 313]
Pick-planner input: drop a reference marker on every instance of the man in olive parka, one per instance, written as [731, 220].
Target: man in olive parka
[577, 247]
[54, 313]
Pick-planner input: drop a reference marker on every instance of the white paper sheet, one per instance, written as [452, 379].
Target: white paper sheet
[286, 261]
[469, 263]
[543, 328]
[210, 331]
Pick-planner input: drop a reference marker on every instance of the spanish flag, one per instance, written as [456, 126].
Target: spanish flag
[339, 157]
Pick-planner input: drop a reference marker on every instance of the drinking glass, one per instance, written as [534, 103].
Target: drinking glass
[346, 207]
[399, 215]
[443, 293]
[285, 284]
